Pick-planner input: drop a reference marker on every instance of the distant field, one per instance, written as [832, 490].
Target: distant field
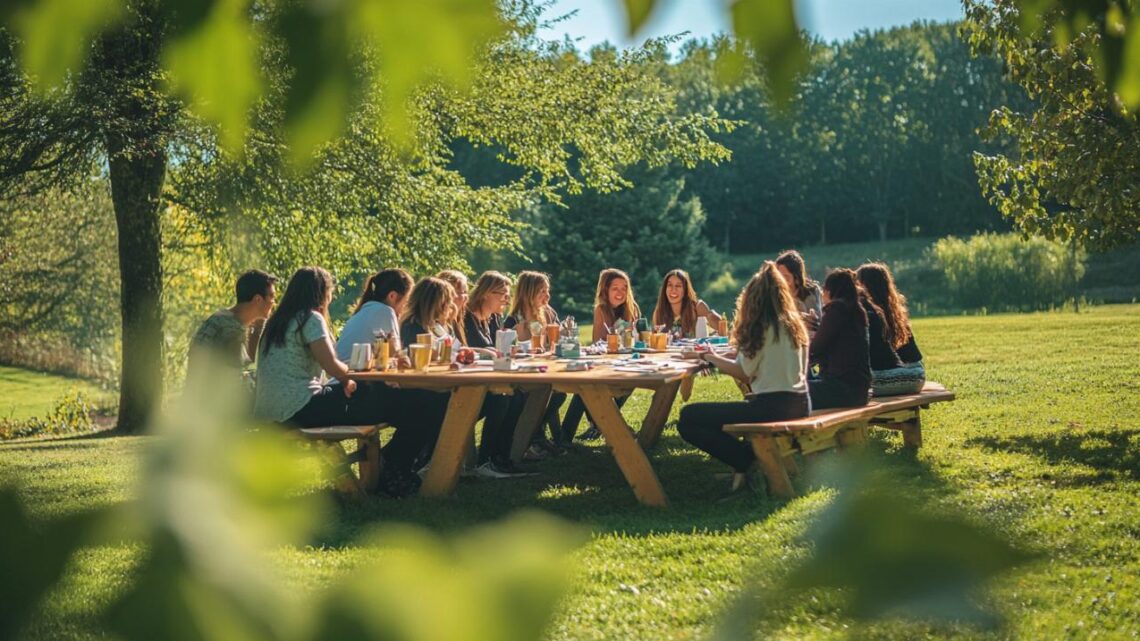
[1110, 277]
[26, 394]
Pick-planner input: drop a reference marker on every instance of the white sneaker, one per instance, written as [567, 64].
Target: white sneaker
[489, 471]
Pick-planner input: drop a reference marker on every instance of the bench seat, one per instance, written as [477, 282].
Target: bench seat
[366, 456]
[775, 442]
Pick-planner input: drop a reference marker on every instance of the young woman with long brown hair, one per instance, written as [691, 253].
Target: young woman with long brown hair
[613, 300]
[840, 346]
[382, 301]
[771, 356]
[678, 305]
[805, 291]
[910, 375]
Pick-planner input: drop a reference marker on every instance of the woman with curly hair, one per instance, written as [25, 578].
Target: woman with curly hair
[772, 357]
[910, 375]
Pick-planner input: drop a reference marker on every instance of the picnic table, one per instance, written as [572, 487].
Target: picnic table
[613, 376]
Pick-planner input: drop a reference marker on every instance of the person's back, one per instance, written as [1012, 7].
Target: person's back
[372, 317]
[882, 355]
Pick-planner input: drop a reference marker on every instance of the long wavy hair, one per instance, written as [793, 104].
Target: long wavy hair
[663, 312]
[429, 303]
[382, 283]
[602, 299]
[456, 278]
[794, 263]
[766, 303]
[488, 282]
[880, 286]
[310, 289]
[842, 285]
[525, 305]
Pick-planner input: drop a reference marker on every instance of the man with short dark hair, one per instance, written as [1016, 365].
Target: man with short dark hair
[229, 336]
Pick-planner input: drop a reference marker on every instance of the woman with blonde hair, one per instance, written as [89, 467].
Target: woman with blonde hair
[531, 304]
[678, 305]
[771, 356]
[458, 281]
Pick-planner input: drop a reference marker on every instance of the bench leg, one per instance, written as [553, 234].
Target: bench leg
[912, 432]
[370, 462]
[772, 463]
[852, 436]
[344, 480]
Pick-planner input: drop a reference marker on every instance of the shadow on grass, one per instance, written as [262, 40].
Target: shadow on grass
[1112, 453]
[586, 487]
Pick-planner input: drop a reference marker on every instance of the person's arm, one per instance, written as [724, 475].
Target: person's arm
[599, 325]
[323, 352]
[829, 327]
[704, 310]
[726, 365]
[253, 337]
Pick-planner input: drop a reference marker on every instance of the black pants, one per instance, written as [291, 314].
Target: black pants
[498, 430]
[832, 392]
[550, 417]
[702, 424]
[574, 415]
[416, 414]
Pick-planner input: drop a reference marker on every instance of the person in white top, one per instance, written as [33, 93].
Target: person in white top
[772, 357]
[382, 300]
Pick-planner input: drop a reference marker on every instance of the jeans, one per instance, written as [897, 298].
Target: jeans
[702, 424]
[417, 416]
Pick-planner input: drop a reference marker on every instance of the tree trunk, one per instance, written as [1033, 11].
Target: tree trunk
[882, 231]
[136, 186]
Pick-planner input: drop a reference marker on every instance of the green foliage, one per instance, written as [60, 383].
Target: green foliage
[1007, 272]
[1071, 173]
[73, 414]
[646, 231]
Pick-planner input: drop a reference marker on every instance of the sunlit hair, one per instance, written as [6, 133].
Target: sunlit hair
[794, 263]
[766, 302]
[429, 302]
[663, 312]
[382, 283]
[602, 299]
[525, 305]
[842, 285]
[308, 290]
[880, 286]
[457, 279]
[488, 282]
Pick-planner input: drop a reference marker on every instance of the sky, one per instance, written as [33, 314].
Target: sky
[601, 20]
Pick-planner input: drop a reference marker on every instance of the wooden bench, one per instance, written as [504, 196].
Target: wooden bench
[366, 456]
[776, 443]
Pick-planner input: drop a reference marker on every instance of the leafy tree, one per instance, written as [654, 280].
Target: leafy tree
[1072, 174]
[645, 230]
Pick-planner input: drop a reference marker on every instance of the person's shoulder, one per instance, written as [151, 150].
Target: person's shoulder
[702, 308]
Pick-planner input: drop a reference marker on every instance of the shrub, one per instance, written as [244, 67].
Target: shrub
[1003, 272]
[73, 414]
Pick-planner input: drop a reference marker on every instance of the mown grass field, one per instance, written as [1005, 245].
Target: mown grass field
[1043, 446]
[27, 394]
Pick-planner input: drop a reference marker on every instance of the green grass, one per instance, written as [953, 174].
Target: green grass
[26, 394]
[1043, 445]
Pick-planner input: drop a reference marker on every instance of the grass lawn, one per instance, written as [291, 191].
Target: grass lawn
[26, 394]
[1042, 445]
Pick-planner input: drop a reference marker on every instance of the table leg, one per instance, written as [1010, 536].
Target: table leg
[454, 440]
[659, 410]
[530, 420]
[629, 455]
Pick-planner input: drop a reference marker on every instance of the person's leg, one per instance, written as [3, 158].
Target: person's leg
[327, 407]
[701, 425]
[417, 416]
[573, 416]
[552, 419]
[495, 412]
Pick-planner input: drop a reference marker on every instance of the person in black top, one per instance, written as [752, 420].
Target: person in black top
[481, 322]
[909, 375]
[840, 346]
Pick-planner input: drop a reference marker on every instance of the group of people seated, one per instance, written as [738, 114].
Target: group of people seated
[855, 329]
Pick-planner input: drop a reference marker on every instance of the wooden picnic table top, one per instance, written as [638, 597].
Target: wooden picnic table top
[611, 370]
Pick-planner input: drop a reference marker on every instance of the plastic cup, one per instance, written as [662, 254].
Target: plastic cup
[382, 356]
[421, 356]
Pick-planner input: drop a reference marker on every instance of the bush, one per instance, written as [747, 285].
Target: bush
[73, 414]
[1005, 272]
